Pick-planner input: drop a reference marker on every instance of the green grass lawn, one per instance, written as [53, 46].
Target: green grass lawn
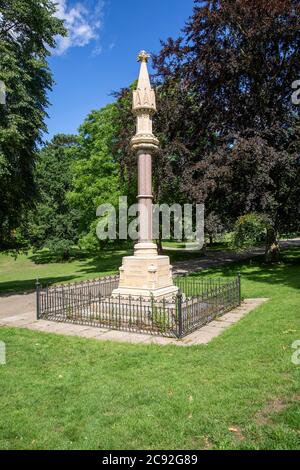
[20, 273]
[241, 391]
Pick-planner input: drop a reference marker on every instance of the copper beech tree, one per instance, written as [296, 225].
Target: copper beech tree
[231, 115]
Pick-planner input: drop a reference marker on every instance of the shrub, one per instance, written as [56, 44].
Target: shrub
[249, 230]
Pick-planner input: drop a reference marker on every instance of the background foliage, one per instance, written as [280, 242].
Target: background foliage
[229, 133]
[27, 32]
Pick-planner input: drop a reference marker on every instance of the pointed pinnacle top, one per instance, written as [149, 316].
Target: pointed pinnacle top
[143, 56]
[144, 80]
[143, 96]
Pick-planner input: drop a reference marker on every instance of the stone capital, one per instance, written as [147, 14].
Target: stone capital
[146, 142]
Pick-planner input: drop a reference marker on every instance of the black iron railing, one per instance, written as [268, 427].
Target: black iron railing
[202, 300]
[197, 302]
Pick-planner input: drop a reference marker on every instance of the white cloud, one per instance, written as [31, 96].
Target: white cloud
[83, 24]
[97, 51]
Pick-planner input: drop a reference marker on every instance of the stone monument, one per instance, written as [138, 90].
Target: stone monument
[145, 273]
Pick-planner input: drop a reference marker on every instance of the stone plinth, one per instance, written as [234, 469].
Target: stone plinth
[146, 276]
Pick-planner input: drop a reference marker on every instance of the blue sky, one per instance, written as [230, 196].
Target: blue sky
[99, 55]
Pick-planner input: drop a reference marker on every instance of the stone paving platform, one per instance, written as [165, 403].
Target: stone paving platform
[201, 336]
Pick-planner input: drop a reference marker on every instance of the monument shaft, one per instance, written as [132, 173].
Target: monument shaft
[145, 196]
[146, 273]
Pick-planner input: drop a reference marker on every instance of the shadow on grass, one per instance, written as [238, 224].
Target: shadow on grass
[182, 255]
[29, 285]
[46, 256]
[86, 268]
[285, 273]
[106, 263]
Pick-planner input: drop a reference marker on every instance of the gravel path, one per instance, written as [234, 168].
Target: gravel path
[16, 304]
[218, 258]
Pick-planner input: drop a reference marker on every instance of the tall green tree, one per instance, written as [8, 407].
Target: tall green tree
[96, 177]
[27, 32]
[53, 220]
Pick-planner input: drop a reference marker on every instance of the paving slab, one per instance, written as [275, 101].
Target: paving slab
[124, 336]
[12, 304]
[201, 336]
[20, 323]
[30, 316]
[162, 340]
[92, 332]
[221, 324]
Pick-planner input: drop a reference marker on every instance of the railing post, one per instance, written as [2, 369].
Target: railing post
[63, 300]
[119, 312]
[47, 301]
[179, 312]
[239, 288]
[38, 299]
[152, 308]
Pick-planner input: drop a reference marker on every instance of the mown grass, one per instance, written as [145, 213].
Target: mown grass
[20, 273]
[241, 391]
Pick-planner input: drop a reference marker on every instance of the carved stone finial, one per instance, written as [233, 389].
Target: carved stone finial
[144, 107]
[144, 96]
[143, 56]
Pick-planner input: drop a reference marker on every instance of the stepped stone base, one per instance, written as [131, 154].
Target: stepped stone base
[146, 276]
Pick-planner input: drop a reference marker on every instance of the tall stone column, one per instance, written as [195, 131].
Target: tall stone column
[146, 273]
[145, 143]
[145, 202]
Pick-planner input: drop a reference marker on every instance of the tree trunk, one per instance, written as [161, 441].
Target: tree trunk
[211, 240]
[159, 246]
[272, 252]
[159, 242]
